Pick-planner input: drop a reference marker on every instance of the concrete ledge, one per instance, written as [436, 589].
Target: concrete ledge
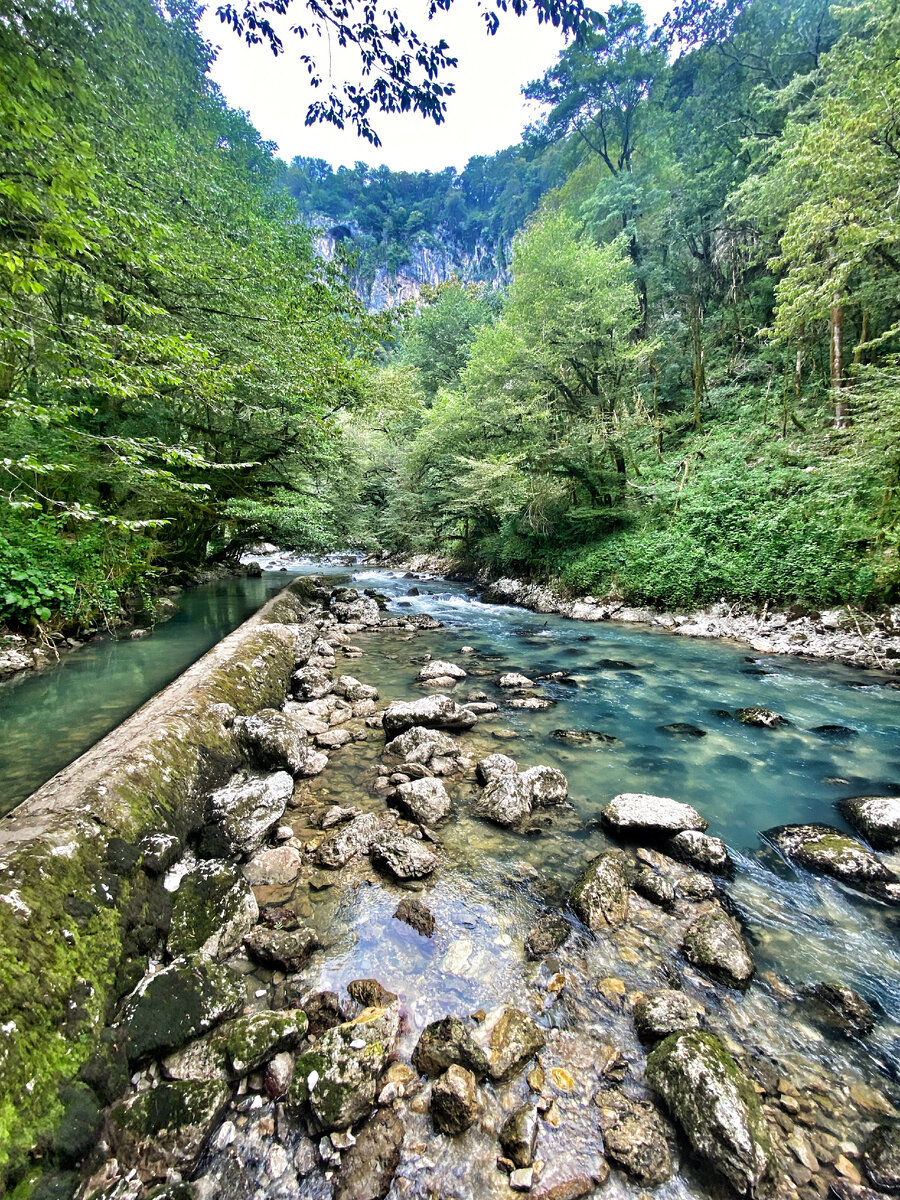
[69, 888]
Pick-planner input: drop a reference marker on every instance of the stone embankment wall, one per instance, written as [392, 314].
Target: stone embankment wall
[72, 908]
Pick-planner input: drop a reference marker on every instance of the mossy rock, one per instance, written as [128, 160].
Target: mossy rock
[185, 999]
[165, 1128]
[600, 896]
[238, 1047]
[212, 910]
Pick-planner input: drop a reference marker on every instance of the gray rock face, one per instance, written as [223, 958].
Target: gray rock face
[715, 1104]
[494, 767]
[164, 1129]
[238, 817]
[368, 1167]
[877, 818]
[663, 1011]
[435, 712]
[338, 1075]
[351, 839]
[826, 851]
[285, 949]
[636, 813]
[279, 865]
[714, 943]
[509, 1038]
[438, 669]
[882, 1158]
[600, 896]
[444, 1043]
[274, 741]
[513, 679]
[455, 1102]
[634, 1137]
[425, 800]
[178, 1003]
[701, 851]
[211, 911]
[546, 935]
[518, 1135]
[505, 800]
[421, 745]
[404, 857]
[546, 785]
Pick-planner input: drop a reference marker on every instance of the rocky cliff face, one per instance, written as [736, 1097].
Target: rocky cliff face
[431, 259]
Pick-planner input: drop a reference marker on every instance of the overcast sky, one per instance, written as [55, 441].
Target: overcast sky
[487, 113]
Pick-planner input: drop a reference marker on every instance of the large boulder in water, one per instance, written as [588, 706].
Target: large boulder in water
[350, 840]
[877, 818]
[439, 669]
[164, 1129]
[404, 857]
[827, 851]
[700, 850]
[421, 745]
[635, 813]
[495, 766]
[455, 1101]
[547, 785]
[600, 896]
[425, 800]
[435, 712]
[506, 800]
[178, 1003]
[211, 911]
[338, 1076]
[238, 816]
[276, 741]
[715, 1104]
[714, 943]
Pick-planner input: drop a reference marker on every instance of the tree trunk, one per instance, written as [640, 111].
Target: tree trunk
[837, 366]
[863, 339]
[699, 366]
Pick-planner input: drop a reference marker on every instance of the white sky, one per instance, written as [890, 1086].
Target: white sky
[487, 113]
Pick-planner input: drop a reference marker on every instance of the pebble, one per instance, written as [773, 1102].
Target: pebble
[522, 1180]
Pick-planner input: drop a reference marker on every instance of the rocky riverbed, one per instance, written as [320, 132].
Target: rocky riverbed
[390, 958]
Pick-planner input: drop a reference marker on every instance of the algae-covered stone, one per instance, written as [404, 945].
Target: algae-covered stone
[636, 813]
[600, 896]
[159, 851]
[828, 851]
[546, 935]
[436, 712]
[369, 1166]
[404, 857]
[425, 800]
[509, 1038]
[164, 1129]
[634, 1137]
[663, 1011]
[338, 1076]
[715, 944]
[700, 850]
[876, 817]
[211, 911]
[239, 816]
[715, 1104]
[455, 1101]
[237, 1047]
[183, 1000]
[285, 949]
[445, 1042]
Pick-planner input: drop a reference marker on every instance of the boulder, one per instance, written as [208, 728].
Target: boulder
[238, 1047]
[455, 1101]
[546, 785]
[274, 741]
[438, 669]
[635, 813]
[178, 1003]
[434, 712]
[323, 1010]
[882, 1158]
[352, 690]
[425, 800]
[420, 745]
[368, 1167]
[164, 1129]
[715, 1104]
[518, 1135]
[701, 851]
[447, 1042]
[663, 1011]
[310, 683]
[277, 866]
[404, 857]
[509, 1038]
[714, 944]
[338, 1075]
[837, 1007]
[350, 840]
[761, 718]
[654, 887]
[494, 767]
[159, 851]
[600, 896]
[877, 818]
[827, 851]
[285, 949]
[546, 935]
[238, 817]
[506, 800]
[635, 1137]
[369, 993]
[514, 680]
[415, 914]
[211, 911]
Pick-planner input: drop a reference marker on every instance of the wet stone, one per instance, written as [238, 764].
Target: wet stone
[663, 1011]
[600, 896]
[827, 851]
[368, 1167]
[238, 817]
[279, 865]
[510, 1039]
[211, 911]
[324, 1011]
[177, 1003]
[714, 943]
[286, 949]
[636, 813]
[415, 914]
[349, 841]
[420, 745]
[275, 741]
[837, 1007]
[519, 1134]
[455, 1101]
[761, 718]
[700, 850]
[435, 712]
[158, 852]
[877, 818]
[425, 800]
[634, 1137]
[654, 887]
[164, 1128]
[682, 729]
[370, 994]
[404, 857]
[546, 935]
[882, 1158]
[447, 1042]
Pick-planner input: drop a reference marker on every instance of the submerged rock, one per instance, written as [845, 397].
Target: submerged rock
[404, 857]
[420, 745]
[827, 851]
[882, 1158]
[286, 949]
[714, 943]
[762, 718]
[600, 896]
[877, 818]
[239, 816]
[279, 865]
[416, 914]
[546, 935]
[455, 1101]
[635, 813]
[435, 712]
[179, 1002]
[663, 1011]
[425, 800]
[510, 1038]
[276, 741]
[839, 1008]
[518, 1135]
[701, 851]
[682, 729]
[338, 1075]
[715, 1104]
[164, 1129]
[586, 737]
[446, 1042]
[211, 911]
[634, 1137]
[368, 1167]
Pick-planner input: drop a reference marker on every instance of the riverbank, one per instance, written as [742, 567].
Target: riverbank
[844, 635]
